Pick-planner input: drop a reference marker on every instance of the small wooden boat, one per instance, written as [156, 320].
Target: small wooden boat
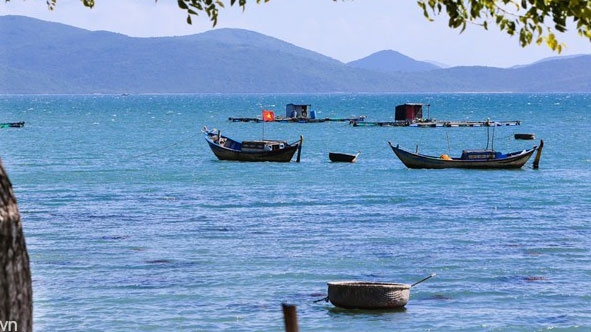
[370, 295]
[482, 159]
[226, 148]
[342, 157]
[12, 124]
[524, 136]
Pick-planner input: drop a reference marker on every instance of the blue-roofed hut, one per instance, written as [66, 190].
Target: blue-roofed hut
[299, 111]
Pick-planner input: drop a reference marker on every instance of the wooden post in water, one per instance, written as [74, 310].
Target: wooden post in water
[16, 292]
[300, 148]
[538, 155]
[290, 317]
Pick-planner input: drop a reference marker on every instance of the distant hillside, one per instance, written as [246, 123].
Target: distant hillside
[391, 62]
[45, 57]
[571, 74]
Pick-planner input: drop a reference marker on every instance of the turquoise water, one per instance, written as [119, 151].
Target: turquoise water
[133, 225]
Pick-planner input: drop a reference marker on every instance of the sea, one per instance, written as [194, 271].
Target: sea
[132, 224]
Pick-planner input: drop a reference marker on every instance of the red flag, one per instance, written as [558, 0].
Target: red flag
[268, 116]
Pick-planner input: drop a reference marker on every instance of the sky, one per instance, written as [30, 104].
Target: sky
[343, 30]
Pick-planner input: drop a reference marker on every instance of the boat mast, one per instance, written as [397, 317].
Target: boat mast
[263, 116]
[492, 145]
[488, 136]
[487, 132]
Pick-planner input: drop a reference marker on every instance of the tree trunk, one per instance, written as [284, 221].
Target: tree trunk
[16, 292]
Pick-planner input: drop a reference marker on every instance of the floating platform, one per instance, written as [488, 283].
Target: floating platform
[300, 119]
[435, 124]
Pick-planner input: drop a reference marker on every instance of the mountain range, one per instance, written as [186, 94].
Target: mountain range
[40, 57]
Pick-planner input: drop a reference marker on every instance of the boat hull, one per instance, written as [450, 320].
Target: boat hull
[525, 136]
[12, 124]
[415, 160]
[233, 150]
[283, 155]
[342, 157]
[368, 295]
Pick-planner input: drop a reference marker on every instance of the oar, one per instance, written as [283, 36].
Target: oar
[325, 299]
[418, 282]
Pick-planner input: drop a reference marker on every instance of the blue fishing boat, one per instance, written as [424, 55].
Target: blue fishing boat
[482, 159]
[226, 148]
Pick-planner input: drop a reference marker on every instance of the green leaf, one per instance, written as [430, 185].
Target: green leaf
[182, 5]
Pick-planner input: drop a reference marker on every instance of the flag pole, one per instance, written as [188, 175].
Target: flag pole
[267, 115]
[263, 116]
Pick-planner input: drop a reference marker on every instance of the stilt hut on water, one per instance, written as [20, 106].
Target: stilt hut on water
[409, 113]
[299, 111]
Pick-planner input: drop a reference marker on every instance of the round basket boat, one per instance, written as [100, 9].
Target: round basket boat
[368, 295]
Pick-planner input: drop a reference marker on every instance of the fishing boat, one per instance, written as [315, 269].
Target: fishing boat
[370, 295]
[342, 157]
[226, 148]
[12, 124]
[482, 159]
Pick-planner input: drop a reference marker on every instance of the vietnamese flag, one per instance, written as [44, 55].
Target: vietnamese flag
[268, 116]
